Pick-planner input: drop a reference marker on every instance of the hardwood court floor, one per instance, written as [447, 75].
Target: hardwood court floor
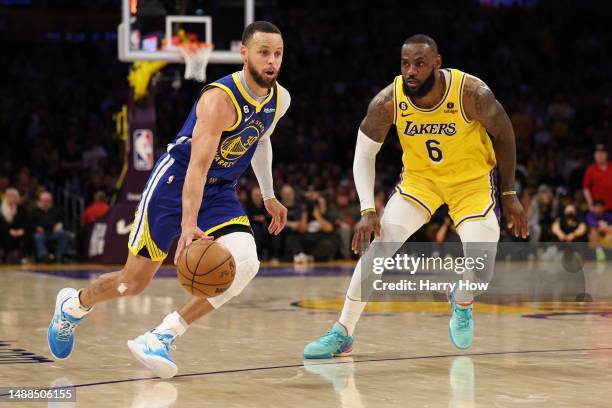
[248, 354]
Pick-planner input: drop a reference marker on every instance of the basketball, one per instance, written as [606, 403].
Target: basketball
[206, 268]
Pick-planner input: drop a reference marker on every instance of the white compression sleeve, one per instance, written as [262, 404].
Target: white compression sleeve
[262, 159]
[479, 238]
[262, 167]
[364, 168]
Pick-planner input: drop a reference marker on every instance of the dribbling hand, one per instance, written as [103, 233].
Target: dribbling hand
[368, 225]
[187, 236]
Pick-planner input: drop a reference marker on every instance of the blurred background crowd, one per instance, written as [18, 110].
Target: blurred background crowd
[547, 62]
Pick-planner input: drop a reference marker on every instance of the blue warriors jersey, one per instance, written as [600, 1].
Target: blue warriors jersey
[238, 143]
[157, 221]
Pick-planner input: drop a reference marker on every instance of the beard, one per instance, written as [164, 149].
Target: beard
[422, 90]
[259, 79]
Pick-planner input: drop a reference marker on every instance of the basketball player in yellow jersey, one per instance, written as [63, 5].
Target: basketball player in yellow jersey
[453, 133]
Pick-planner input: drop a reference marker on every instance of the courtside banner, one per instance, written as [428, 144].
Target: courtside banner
[503, 272]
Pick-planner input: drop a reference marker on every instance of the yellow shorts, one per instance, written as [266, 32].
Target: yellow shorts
[468, 200]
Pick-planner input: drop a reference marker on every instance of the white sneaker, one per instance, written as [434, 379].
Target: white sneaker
[151, 349]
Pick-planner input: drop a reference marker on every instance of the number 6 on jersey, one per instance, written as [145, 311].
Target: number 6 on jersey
[434, 153]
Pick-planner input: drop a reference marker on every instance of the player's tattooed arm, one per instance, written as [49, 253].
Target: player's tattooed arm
[379, 118]
[480, 104]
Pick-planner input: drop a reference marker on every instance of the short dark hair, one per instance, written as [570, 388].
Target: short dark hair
[599, 201]
[423, 39]
[258, 26]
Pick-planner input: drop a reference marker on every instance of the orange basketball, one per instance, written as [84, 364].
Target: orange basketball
[206, 268]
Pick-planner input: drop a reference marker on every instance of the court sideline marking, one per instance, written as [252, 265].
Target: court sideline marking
[373, 360]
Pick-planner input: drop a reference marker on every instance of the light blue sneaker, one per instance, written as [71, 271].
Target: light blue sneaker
[334, 343]
[60, 334]
[461, 325]
[151, 349]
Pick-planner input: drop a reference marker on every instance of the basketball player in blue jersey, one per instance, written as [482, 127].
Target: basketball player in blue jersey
[192, 193]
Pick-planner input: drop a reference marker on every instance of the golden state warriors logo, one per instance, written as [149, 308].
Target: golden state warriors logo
[235, 146]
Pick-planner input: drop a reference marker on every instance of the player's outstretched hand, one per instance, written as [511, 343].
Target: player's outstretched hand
[368, 225]
[278, 212]
[515, 216]
[187, 236]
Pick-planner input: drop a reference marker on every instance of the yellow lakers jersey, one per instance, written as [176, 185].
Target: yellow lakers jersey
[441, 143]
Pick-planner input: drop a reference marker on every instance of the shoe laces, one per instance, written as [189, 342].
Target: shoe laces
[66, 328]
[463, 315]
[331, 338]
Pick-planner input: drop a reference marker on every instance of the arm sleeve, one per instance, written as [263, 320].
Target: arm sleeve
[262, 159]
[364, 169]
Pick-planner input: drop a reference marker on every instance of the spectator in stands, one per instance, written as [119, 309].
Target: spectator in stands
[258, 217]
[597, 181]
[4, 184]
[12, 227]
[346, 215]
[447, 231]
[570, 226]
[294, 215]
[600, 228]
[47, 228]
[97, 209]
[315, 233]
[541, 215]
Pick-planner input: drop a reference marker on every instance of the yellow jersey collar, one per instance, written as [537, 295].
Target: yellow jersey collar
[449, 82]
[245, 94]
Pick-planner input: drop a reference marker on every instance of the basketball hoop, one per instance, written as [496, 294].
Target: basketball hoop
[196, 55]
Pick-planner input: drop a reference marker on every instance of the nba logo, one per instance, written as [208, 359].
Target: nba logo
[143, 149]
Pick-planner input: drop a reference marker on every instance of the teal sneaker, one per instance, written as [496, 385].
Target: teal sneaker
[334, 343]
[461, 325]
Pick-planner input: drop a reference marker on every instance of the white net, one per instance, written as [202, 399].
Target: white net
[196, 57]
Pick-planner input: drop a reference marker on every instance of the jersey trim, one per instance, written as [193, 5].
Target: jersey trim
[395, 100]
[278, 104]
[449, 85]
[461, 109]
[241, 220]
[246, 95]
[234, 101]
[488, 210]
[415, 200]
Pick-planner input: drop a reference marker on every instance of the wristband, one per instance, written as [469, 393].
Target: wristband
[508, 193]
[368, 210]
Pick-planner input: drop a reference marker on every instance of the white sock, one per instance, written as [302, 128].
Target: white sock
[173, 323]
[74, 308]
[351, 312]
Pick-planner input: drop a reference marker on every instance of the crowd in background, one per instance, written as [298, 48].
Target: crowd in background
[548, 65]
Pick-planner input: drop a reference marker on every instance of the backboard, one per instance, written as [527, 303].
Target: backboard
[150, 29]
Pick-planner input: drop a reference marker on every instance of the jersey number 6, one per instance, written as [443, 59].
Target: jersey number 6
[435, 154]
